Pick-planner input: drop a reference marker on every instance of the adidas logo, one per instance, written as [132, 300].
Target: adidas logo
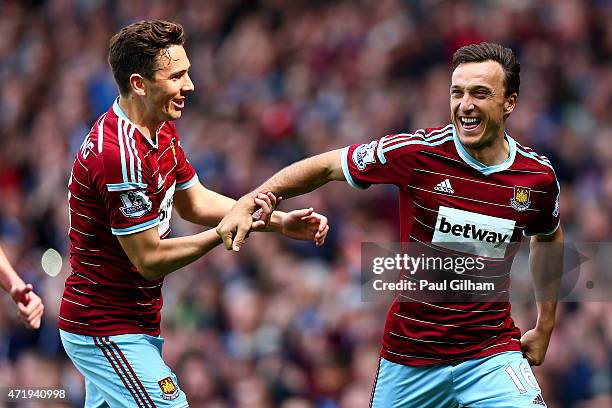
[445, 187]
[539, 400]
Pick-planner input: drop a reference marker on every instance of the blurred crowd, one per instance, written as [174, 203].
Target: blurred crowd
[282, 324]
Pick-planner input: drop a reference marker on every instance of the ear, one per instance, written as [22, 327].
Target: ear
[137, 84]
[510, 104]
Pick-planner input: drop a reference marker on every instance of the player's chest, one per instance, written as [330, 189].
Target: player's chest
[161, 163]
[509, 195]
[465, 205]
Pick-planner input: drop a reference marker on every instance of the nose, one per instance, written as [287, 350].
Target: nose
[466, 104]
[188, 85]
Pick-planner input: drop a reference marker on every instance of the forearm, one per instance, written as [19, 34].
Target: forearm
[206, 207]
[213, 213]
[202, 206]
[546, 265]
[546, 316]
[304, 176]
[169, 255]
[299, 178]
[8, 276]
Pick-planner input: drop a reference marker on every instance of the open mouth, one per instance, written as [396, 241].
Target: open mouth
[178, 103]
[469, 123]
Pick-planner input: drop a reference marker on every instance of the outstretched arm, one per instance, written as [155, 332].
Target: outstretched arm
[202, 206]
[546, 265]
[155, 258]
[299, 178]
[29, 306]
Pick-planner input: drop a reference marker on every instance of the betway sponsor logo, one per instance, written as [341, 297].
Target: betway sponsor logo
[473, 233]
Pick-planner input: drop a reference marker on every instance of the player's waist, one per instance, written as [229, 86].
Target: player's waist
[83, 298]
[419, 353]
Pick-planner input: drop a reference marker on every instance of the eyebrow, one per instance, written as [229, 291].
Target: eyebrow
[474, 88]
[181, 72]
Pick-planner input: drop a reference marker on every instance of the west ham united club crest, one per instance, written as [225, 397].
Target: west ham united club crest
[169, 390]
[521, 199]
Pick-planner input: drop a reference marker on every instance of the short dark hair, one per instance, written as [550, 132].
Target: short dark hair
[493, 52]
[137, 48]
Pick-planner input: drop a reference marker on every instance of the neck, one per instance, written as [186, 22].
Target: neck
[136, 112]
[493, 154]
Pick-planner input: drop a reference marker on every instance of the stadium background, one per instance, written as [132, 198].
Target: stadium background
[282, 323]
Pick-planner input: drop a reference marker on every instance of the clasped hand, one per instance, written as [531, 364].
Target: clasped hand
[255, 213]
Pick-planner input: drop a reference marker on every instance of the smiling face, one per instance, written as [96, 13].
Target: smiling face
[478, 105]
[165, 94]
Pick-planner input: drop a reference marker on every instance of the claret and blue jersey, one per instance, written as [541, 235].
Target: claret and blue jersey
[121, 183]
[447, 198]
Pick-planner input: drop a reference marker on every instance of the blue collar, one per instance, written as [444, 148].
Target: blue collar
[486, 170]
[120, 114]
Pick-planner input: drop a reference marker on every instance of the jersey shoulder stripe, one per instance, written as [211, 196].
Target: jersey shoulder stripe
[101, 133]
[138, 176]
[118, 164]
[122, 149]
[530, 154]
[390, 140]
[128, 133]
[421, 137]
[541, 161]
[127, 143]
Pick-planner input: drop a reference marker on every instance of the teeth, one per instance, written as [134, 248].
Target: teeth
[469, 120]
